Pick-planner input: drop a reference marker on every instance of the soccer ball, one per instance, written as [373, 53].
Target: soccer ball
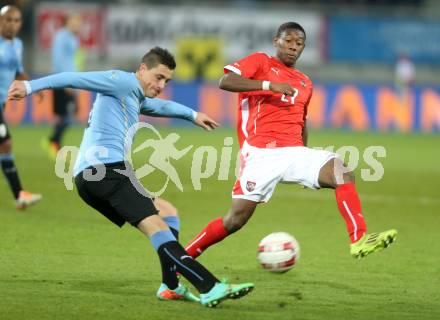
[278, 252]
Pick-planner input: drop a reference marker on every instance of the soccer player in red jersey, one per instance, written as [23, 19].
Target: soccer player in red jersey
[272, 132]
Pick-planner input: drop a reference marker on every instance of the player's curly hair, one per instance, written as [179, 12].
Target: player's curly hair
[157, 56]
[289, 26]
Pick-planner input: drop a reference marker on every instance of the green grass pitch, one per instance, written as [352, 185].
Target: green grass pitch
[62, 260]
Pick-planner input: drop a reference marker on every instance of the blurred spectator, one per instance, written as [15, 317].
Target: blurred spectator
[404, 73]
[65, 47]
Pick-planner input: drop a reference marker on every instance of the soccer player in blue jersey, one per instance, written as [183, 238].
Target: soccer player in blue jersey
[65, 45]
[11, 67]
[108, 184]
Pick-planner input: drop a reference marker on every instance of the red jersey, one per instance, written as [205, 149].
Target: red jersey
[267, 119]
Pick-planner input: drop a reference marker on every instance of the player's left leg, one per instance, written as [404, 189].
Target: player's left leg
[218, 229]
[62, 101]
[171, 289]
[334, 174]
[60, 126]
[22, 198]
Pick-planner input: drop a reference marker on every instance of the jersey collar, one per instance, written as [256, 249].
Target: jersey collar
[139, 91]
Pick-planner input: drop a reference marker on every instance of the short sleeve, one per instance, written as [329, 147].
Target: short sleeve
[248, 66]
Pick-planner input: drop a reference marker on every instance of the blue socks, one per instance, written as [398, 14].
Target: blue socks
[174, 257]
[174, 223]
[161, 237]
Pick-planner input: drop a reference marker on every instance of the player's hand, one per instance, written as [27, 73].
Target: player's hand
[17, 90]
[283, 88]
[204, 121]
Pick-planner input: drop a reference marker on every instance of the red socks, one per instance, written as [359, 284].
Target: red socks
[213, 233]
[349, 206]
[348, 203]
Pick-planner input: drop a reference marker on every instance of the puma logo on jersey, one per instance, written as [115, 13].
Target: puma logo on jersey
[303, 83]
[275, 70]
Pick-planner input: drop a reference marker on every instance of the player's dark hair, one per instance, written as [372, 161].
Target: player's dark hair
[289, 26]
[158, 56]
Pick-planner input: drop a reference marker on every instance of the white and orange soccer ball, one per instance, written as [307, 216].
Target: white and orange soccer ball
[278, 252]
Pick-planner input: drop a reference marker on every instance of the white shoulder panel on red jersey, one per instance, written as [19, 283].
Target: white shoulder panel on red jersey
[232, 68]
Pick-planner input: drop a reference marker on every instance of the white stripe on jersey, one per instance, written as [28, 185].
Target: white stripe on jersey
[244, 115]
[256, 116]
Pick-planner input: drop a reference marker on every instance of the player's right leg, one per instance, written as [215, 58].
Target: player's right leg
[62, 99]
[169, 214]
[117, 197]
[212, 291]
[334, 174]
[170, 288]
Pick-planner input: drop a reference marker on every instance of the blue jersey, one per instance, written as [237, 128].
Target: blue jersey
[64, 47]
[115, 112]
[11, 64]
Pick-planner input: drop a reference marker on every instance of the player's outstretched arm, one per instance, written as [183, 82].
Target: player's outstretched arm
[114, 82]
[169, 109]
[235, 83]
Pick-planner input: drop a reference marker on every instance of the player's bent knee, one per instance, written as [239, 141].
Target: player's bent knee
[151, 224]
[339, 174]
[328, 174]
